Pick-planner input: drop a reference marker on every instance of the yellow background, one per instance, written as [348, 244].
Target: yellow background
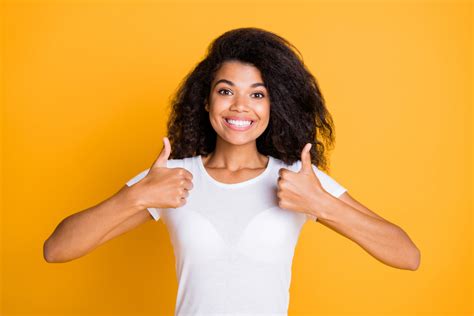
[85, 92]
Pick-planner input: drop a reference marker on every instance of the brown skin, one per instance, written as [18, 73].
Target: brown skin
[164, 187]
[302, 192]
[235, 157]
[82, 232]
[298, 191]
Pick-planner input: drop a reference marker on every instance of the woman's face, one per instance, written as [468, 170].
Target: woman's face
[238, 94]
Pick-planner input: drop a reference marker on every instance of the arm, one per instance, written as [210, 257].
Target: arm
[82, 232]
[383, 240]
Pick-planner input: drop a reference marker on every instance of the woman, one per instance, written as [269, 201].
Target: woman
[236, 180]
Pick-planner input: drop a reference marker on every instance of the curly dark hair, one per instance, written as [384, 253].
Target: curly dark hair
[298, 114]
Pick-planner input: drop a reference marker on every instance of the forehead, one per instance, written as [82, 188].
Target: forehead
[238, 71]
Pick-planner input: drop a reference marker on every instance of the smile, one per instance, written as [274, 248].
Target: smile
[238, 125]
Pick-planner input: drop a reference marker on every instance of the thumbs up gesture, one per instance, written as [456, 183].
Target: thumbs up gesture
[300, 191]
[164, 187]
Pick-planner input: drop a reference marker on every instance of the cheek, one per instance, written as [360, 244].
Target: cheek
[218, 107]
[263, 112]
[215, 118]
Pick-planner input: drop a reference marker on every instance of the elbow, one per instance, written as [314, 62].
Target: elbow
[412, 255]
[48, 252]
[415, 260]
[54, 254]
[47, 255]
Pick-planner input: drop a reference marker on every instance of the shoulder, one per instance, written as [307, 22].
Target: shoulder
[176, 163]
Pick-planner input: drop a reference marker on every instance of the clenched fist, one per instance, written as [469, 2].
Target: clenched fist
[164, 187]
[300, 191]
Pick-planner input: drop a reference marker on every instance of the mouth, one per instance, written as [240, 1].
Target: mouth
[238, 124]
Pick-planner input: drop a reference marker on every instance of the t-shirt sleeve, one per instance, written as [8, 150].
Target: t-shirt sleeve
[329, 184]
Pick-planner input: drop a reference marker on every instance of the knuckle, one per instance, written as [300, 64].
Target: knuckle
[282, 184]
[282, 172]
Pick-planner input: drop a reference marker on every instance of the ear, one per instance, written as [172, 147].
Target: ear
[206, 105]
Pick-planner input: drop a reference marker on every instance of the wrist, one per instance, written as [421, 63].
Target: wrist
[320, 204]
[132, 198]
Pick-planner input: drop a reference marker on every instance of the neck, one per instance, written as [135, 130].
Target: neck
[235, 157]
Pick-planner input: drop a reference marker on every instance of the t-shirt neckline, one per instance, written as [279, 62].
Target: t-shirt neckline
[238, 184]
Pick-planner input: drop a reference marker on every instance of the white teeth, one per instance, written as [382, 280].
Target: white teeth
[239, 123]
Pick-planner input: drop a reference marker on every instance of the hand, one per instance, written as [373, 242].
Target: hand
[164, 187]
[300, 191]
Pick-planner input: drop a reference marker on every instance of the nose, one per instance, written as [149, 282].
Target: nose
[240, 103]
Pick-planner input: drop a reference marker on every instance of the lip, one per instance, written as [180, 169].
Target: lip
[237, 128]
[239, 118]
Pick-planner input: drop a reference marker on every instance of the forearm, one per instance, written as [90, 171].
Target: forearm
[80, 233]
[383, 240]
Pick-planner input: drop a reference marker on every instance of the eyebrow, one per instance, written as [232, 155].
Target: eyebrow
[257, 84]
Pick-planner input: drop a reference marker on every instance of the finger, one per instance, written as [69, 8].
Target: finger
[189, 176]
[283, 184]
[164, 154]
[186, 174]
[306, 159]
[283, 172]
[188, 185]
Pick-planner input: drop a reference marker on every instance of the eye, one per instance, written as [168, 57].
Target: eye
[219, 91]
[261, 95]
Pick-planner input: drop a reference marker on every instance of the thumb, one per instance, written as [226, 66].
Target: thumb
[306, 159]
[164, 154]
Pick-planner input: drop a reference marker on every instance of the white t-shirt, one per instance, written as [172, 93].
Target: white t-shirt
[233, 244]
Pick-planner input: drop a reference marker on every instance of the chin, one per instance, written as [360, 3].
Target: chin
[238, 142]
